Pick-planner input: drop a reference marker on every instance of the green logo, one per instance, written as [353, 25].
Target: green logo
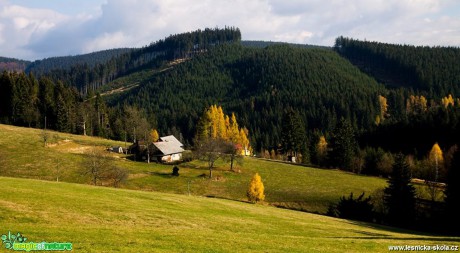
[18, 242]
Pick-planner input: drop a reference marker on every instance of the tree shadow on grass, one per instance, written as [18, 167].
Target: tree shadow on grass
[161, 174]
[425, 236]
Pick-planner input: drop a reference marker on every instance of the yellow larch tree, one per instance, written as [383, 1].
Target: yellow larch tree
[220, 122]
[256, 189]
[321, 149]
[154, 135]
[436, 159]
[383, 108]
[215, 124]
[448, 101]
[416, 104]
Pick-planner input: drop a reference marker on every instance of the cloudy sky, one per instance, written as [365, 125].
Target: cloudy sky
[35, 29]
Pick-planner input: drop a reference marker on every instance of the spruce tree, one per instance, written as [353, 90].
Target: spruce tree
[343, 145]
[400, 194]
[293, 136]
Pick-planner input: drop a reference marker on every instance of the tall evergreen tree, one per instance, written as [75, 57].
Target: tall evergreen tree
[293, 136]
[62, 123]
[343, 145]
[400, 194]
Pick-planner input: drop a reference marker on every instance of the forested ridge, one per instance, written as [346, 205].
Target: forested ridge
[88, 76]
[259, 85]
[433, 71]
[11, 64]
[47, 65]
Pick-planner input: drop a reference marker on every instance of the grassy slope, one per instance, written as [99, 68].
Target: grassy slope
[22, 155]
[100, 219]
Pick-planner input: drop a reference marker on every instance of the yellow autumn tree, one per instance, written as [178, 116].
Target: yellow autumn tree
[216, 125]
[220, 122]
[383, 108]
[321, 150]
[416, 104]
[255, 191]
[447, 101]
[377, 120]
[233, 130]
[436, 159]
[154, 135]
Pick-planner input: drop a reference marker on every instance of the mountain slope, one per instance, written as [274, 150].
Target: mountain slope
[258, 85]
[100, 69]
[98, 219]
[432, 70]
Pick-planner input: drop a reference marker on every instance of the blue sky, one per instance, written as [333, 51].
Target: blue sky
[36, 29]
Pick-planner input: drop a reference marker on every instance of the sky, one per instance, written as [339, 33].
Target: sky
[37, 29]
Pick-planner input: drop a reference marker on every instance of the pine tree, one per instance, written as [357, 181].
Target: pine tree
[255, 191]
[343, 145]
[62, 123]
[400, 194]
[293, 136]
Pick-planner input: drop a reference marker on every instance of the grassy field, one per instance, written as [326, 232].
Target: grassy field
[22, 154]
[101, 219]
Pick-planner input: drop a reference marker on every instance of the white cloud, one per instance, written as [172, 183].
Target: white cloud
[36, 33]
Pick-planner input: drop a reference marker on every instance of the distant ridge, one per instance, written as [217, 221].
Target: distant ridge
[264, 44]
[46, 65]
[12, 64]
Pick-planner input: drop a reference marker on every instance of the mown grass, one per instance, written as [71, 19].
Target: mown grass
[101, 219]
[22, 154]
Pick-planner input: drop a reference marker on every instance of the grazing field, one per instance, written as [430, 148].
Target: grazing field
[102, 219]
[22, 154]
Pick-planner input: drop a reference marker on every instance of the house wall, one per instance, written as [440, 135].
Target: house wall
[171, 158]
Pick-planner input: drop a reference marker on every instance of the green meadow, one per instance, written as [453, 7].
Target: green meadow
[102, 219]
[23, 155]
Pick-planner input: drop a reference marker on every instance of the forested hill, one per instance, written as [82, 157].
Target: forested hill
[45, 66]
[87, 77]
[259, 85]
[10, 64]
[433, 71]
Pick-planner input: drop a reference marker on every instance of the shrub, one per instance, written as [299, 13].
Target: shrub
[175, 171]
[355, 209]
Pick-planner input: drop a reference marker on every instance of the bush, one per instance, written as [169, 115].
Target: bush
[175, 171]
[355, 209]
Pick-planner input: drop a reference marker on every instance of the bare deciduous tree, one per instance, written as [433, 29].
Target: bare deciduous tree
[210, 150]
[99, 167]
